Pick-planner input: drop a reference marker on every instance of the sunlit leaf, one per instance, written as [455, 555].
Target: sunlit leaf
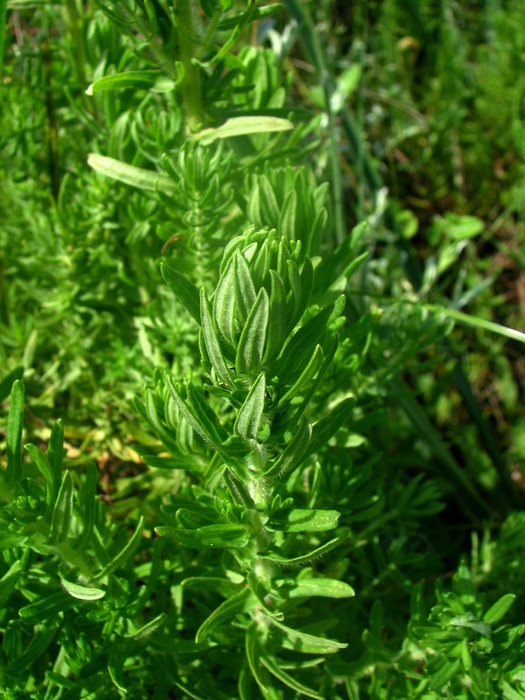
[241, 126]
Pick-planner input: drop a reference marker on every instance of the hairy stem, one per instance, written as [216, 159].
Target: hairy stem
[191, 85]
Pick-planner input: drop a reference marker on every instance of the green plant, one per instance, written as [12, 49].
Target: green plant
[256, 524]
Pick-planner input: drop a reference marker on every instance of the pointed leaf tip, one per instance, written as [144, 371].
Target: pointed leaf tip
[184, 289]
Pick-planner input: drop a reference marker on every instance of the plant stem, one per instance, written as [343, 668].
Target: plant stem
[138, 26]
[191, 85]
[300, 13]
[209, 34]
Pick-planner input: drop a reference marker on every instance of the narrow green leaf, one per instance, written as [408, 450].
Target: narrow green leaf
[150, 413]
[352, 267]
[134, 79]
[315, 235]
[7, 382]
[287, 218]
[245, 685]
[272, 666]
[306, 285]
[167, 463]
[238, 490]
[55, 455]
[299, 520]
[499, 609]
[82, 592]
[185, 291]
[445, 674]
[245, 294]
[308, 373]
[250, 414]
[89, 502]
[326, 271]
[199, 415]
[61, 518]
[357, 233]
[253, 654]
[306, 643]
[124, 554]
[471, 622]
[187, 691]
[10, 541]
[9, 581]
[212, 342]
[205, 414]
[224, 303]
[15, 423]
[466, 657]
[254, 207]
[269, 208]
[45, 469]
[293, 453]
[251, 16]
[46, 608]
[130, 174]
[330, 349]
[36, 647]
[318, 587]
[117, 656]
[208, 536]
[302, 343]
[253, 337]
[190, 518]
[147, 629]
[476, 322]
[242, 126]
[293, 113]
[276, 334]
[294, 278]
[305, 558]
[211, 583]
[238, 603]
[324, 429]
[339, 305]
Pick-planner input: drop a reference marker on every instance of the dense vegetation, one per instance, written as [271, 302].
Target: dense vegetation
[262, 288]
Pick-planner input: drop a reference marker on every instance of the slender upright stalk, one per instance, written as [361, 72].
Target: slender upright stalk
[212, 27]
[301, 15]
[3, 18]
[51, 124]
[191, 85]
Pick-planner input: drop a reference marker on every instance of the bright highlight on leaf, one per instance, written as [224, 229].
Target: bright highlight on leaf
[136, 80]
[82, 592]
[129, 174]
[243, 126]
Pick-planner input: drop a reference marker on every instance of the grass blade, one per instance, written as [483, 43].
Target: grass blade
[476, 322]
[124, 554]
[15, 421]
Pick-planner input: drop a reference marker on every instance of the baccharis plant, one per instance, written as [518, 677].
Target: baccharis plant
[264, 370]
[269, 539]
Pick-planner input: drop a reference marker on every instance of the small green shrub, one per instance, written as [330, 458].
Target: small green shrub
[267, 517]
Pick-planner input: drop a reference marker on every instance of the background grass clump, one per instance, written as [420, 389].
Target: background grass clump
[261, 366]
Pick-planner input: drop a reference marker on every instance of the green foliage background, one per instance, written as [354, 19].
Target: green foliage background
[261, 331]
